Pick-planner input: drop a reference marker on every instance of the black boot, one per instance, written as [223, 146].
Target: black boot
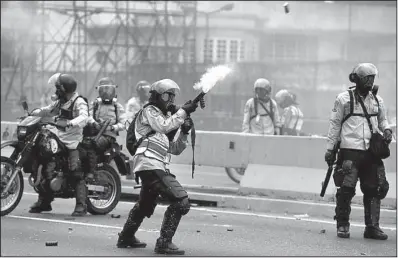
[164, 244]
[42, 204]
[81, 197]
[127, 236]
[372, 216]
[343, 210]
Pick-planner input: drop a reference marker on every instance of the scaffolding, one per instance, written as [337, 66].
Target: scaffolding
[126, 40]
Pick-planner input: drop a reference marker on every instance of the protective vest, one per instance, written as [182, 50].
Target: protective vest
[154, 146]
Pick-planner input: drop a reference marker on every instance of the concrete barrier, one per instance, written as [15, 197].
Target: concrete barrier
[228, 149]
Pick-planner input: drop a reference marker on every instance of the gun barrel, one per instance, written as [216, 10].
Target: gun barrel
[199, 97]
[106, 124]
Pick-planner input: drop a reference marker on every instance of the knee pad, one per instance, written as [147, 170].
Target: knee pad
[347, 192]
[378, 192]
[183, 206]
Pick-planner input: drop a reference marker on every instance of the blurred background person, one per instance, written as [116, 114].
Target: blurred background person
[261, 115]
[292, 117]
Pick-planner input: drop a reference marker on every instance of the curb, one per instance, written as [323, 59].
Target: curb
[270, 205]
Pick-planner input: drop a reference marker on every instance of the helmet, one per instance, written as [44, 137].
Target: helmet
[66, 83]
[284, 98]
[262, 83]
[53, 79]
[107, 89]
[362, 70]
[165, 85]
[281, 96]
[141, 84]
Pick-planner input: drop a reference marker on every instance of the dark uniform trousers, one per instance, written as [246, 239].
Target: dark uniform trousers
[351, 166]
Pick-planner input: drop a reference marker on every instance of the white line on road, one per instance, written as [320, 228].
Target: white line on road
[77, 223]
[251, 214]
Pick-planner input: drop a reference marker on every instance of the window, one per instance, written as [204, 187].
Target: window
[289, 47]
[242, 50]
[208, 51]
[233, 50]
[221, 50]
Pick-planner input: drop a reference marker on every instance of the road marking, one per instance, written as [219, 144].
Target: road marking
[259, 215]
[77, 223]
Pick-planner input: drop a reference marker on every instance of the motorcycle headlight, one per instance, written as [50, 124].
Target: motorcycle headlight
[21, 131]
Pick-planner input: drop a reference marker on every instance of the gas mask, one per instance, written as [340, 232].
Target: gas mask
[107, 93]
[365, 84]
[263, 94]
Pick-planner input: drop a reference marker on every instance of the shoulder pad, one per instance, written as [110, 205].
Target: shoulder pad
[152, 111]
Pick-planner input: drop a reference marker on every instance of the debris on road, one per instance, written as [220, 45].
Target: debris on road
[115, 216]
[197, 231]
[44, 230]
[230, 229]
[323, 231]
[52, 243]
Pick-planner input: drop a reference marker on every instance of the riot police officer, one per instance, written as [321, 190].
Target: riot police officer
[149, 164]
[348, 123]
[72, 112]
[261, 115]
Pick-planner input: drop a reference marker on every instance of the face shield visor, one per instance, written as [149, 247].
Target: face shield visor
[107, 93]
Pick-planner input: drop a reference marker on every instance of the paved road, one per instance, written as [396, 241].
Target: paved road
[203, 232]
[204, 176]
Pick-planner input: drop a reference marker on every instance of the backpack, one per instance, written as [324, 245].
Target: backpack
[131, 141]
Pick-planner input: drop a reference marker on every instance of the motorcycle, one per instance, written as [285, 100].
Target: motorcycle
[35, 145]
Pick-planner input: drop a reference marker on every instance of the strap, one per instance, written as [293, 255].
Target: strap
[116, 113]
[271, 115]
[366, 113]
[255, 107]
[351, 107]
[193, 139]
[95, 108]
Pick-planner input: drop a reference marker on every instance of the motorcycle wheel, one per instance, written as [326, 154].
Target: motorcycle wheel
[17, 186]
[108, 177]
[235, 174]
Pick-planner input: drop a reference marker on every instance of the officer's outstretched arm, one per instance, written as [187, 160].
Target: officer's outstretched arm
[47, 111]
[81, 107]
[335, 120]
[178, 146]
[246, 118]
[160, 123]
[120, 125]
[381, 116]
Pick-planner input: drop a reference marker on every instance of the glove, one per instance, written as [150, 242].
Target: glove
[329, 157]
[97, 126]
[202, 103]
[190, 107]
[388, 135]
[187, 125]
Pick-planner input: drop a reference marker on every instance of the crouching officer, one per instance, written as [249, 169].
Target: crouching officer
[149, 164]
[349, 124]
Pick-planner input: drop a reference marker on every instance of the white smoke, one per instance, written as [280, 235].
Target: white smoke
[212, 76]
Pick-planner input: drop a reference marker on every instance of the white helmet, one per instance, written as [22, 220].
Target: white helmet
[165, 85]
[53, 79]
